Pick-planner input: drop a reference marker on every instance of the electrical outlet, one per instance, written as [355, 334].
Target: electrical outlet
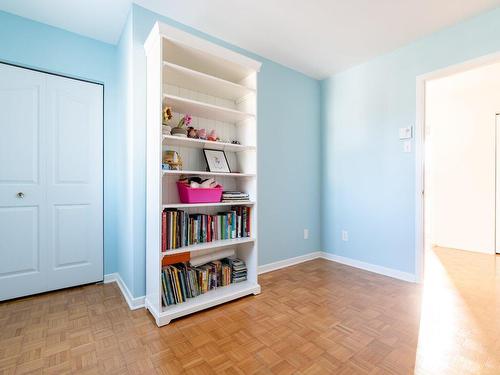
[306, 234]
[345, 235]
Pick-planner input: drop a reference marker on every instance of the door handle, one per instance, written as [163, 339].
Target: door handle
[20, 195]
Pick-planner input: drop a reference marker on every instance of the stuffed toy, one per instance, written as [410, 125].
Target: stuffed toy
[202, 134]
[192, 132]
[212, 136]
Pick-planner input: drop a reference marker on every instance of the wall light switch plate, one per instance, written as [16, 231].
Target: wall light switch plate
[405, 133]
[306, 234]
[345, 235]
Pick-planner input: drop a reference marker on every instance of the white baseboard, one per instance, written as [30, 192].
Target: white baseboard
[287, 262]
[139, 302]
[133, 302]
[396, 274]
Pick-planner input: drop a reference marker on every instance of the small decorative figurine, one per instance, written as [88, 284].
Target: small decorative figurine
[212, 136]
[181, 129]
[235, 142]
[172, 160]
[167, 116]
[202, 134]
[192, 132]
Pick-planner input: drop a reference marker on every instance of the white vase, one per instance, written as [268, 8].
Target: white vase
[166, 130]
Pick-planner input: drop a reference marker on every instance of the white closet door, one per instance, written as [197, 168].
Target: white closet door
[50, 182]
[23, 240]
[74, 182]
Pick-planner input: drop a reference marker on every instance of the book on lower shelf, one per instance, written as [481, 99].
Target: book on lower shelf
[180, 228]
[181, 281]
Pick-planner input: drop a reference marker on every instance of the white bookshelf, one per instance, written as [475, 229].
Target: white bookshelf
[218, 88]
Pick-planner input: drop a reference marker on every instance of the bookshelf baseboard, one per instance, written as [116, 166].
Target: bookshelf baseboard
[205, 301]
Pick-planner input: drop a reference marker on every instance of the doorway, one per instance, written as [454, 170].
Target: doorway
[462, 176]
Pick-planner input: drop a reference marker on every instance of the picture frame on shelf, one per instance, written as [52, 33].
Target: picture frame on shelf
[216, 160]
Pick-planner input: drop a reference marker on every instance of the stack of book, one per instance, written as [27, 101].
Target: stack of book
[238, 270]
[234, 196]
[182, 229]
[181, 281]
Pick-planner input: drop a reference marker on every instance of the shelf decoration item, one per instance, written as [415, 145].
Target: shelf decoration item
[216, 161]
[181, 129]
[167, 116]
[212, 136]
[188, 194]
[192, 132]
[202, 134]
[172, 160]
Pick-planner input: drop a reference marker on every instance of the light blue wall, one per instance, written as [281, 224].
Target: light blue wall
[125, 253]
[289, 136]
[368, 185]
[288, 158]
[35, 45]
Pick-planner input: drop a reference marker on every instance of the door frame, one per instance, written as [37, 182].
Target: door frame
[420, 149]
[4, 62]
[497, 185]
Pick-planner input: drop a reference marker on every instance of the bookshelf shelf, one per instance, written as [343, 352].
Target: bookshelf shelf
[209, 245]
[193, 80]
[172, 140]
[180, 65]
[205, 110]
[209, 299]
[219, 204]
[205, 173]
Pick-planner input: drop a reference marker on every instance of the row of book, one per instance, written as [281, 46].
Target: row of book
[180, 228]
[181, 281]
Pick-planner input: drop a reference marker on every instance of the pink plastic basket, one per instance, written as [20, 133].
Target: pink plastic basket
[199, 195]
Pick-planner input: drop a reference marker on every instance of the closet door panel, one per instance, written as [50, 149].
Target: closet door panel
[74, 187]
[23, 212]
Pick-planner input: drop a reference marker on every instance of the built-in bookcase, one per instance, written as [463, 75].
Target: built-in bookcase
[218, 88]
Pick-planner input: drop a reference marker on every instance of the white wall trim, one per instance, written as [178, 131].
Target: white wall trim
[139, 302]
[396, 274]
[288, 262]
[390, 272]
[134, 303]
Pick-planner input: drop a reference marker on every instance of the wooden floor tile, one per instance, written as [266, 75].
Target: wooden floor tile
[318, 317]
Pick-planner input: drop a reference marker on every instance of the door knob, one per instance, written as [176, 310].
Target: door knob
[20, 195]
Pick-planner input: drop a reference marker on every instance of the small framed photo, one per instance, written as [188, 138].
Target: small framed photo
[216, 160]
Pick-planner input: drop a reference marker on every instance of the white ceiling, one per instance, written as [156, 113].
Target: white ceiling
[316, 37]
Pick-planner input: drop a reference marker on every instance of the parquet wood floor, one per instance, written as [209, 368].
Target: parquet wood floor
[318, 317]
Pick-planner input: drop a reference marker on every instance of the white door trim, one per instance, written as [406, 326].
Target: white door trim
[419, 147]
[497, 185]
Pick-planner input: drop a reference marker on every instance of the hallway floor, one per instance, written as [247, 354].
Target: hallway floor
[318, 317]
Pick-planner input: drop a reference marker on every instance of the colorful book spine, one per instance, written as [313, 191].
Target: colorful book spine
[180, 228]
